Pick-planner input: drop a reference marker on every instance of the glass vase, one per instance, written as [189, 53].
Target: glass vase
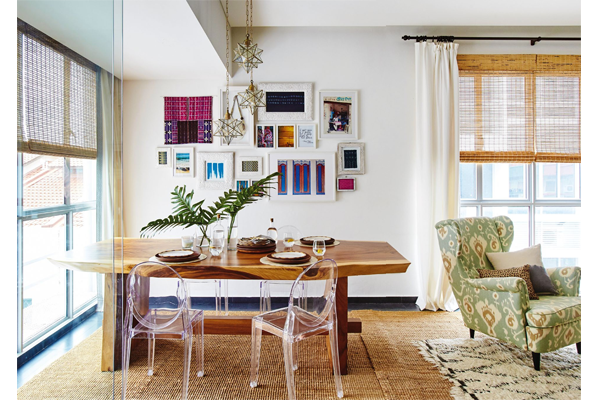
[232, 233]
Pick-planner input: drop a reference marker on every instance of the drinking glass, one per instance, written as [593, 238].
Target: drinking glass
[187, 242]
[288, 240]
[319, 248]
[216, 245]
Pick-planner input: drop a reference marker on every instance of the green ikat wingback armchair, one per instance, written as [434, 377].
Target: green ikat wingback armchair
[500, 307]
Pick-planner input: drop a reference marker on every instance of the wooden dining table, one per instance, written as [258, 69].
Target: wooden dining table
[115, 258]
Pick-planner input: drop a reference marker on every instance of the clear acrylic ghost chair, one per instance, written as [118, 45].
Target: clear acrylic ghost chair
[221, 292]
[296, 322]
[158, 300]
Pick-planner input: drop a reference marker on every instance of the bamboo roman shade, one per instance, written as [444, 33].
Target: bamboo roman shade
[519, 108]
[56, 97]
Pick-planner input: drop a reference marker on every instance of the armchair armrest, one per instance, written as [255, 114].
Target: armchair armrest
[566, 280]
[511, 289]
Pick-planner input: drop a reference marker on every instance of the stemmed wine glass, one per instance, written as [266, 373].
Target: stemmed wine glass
[319, 248]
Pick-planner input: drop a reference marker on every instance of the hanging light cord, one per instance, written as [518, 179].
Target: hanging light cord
[227, 53]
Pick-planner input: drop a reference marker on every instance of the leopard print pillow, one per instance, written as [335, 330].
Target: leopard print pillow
[519, 272]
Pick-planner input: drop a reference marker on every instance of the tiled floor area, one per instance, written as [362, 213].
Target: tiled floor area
[82, 331]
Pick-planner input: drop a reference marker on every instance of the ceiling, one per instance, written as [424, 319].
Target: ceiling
[407, 12]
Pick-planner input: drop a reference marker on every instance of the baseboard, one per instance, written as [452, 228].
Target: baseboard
[351, 300]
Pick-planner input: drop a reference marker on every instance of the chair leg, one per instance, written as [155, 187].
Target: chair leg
[255, 355]
[151, 346]
[472, 332]
[536, 360]
[578, 344]
[125, 364]
[288, 355]
[200, 349]
[187, 358]
[335, 360]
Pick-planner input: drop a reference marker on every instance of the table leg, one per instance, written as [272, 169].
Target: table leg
[341, 306]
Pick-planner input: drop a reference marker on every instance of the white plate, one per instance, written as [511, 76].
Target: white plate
[313, 238]
[289, 254]
[176, 253]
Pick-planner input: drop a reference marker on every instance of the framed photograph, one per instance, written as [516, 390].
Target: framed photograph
[306, 136]
[338, 112]
[183, 162]
[306, 177]
[351, 158]
[286, 102]
[241, 184]
[346, 184]
[248, 138]
[246, 166]
[265, 136]
[286, 136]
[215, 171]
[252, 182]
[163, 157]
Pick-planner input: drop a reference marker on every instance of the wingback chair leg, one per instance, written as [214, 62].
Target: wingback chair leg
[578, 344]
[536, 361]
[472, 332]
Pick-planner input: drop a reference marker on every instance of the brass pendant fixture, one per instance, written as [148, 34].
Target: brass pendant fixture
[227, 127]
[247, 54]
[252, 98]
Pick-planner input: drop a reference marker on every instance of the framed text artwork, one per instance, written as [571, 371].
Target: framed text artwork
[183, 162]
[215, 171]
[188, 120]
[304, 176]
[306, 135]
[286, 102]
[338, 112]
[351, 158]
[163, 157]
[248, 118]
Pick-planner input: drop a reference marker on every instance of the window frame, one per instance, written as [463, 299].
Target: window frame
[531, 201]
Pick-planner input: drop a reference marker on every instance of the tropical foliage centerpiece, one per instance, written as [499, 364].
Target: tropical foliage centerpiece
[187, 214]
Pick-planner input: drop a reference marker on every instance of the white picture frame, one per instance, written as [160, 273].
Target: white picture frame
[183, 162]
[163, 157]
[338, 114]
[351, 158]
[248, 139]
[306, 136]
[269, 131]
[210, 177]
[305, 87]
[311, 190]
[248, 166]
[284, 130]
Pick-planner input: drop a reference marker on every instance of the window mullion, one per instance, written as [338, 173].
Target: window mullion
[19, 255]
[532, 193]
[68, 236]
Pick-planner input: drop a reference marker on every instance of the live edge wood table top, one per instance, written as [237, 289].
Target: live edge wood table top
[353, 258]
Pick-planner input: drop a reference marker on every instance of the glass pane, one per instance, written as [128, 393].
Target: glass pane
[44, 285]
[520, 219]
[468, 181]
[558, 231]
[43, 181]
[83, 180]
[504, 181]
[467, 212]
[84, 233]
[557, 181]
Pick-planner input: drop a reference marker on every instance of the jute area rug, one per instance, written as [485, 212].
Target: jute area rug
[384, 363]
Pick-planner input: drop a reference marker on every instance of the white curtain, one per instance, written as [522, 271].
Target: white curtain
[437, 155]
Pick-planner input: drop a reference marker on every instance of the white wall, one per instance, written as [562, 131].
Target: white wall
[374, 61]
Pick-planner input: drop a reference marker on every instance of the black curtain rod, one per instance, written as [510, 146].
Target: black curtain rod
[532, 40]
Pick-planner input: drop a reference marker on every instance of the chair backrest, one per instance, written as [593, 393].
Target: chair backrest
[157, 295]
[464, 243]
[319, 281]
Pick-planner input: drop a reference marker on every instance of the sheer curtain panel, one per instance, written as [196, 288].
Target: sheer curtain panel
[438, 165]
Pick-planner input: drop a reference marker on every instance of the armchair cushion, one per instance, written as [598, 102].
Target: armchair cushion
[513, 259]
[542, 284]
[550, 311]
[520, 272]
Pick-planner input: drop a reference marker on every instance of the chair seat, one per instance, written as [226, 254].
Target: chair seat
[274, 322]
[173, 330]
[550, 311]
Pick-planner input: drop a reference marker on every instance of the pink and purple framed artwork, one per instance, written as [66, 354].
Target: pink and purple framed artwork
[188, 120]
[346, 184]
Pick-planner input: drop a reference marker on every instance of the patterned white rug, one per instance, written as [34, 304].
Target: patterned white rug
[487, 368]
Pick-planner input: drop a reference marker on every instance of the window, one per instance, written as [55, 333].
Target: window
[520, 148]
[57, 179]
